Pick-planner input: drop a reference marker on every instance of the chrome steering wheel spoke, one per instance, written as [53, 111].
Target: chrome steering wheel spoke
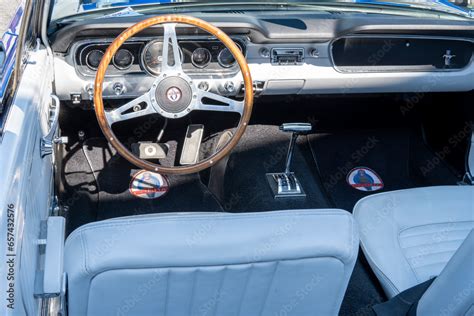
[225, 104]
[173, 64]
[138, 107]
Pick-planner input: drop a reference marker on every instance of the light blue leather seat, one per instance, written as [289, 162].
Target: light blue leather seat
[408, 236]
[271, 263]
[452, 293]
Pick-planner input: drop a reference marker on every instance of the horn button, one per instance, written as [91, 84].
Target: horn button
[173, 95]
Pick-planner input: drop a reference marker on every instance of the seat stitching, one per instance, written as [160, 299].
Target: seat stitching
[249, 273]
[434, 253]
[406, 259]
[86, 256]
[219, 290]
[354, 250]
[120, 223]
[269, 287]
[434, 224]
[191, 303]
[221, 265]
[403, 191]
[167, 292]
[433, 264]
[433, 244]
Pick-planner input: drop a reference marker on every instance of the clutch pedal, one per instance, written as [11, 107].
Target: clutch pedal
[192, 144]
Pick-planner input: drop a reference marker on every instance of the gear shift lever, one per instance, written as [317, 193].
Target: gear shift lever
[286, 184]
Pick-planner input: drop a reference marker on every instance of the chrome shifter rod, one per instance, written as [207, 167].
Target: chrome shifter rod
[285, 184]
[296, 129]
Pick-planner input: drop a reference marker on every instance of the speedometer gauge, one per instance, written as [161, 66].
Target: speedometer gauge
[152, 56]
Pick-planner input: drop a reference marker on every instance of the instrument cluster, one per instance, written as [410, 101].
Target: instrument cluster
[201, 56]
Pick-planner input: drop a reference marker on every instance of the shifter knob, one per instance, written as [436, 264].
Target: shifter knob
[297, 128]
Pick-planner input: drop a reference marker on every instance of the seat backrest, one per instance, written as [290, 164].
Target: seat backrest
[452, 292]
[271, 263]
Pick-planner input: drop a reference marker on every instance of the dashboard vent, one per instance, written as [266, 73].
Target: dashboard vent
[400, 53]
[290, 23]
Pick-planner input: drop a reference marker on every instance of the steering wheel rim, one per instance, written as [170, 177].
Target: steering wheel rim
[102, 117]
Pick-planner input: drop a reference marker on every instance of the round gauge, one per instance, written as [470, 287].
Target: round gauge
[93, 58]
[152, 56]
[201, 57]
[225, 58]
[123, 59]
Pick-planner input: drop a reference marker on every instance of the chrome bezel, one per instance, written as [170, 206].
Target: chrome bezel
[220, 53]
[87, 58]
[143, 53]
[207, 63]
[127, 67]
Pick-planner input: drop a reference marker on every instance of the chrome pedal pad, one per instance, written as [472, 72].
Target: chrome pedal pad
[192, 144]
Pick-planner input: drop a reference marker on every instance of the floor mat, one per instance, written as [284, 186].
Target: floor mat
[262, 150]
[398, 156]
[111, 177]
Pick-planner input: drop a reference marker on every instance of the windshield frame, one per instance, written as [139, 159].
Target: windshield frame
[114, 8]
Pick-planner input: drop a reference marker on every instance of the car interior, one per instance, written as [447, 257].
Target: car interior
[265, 162]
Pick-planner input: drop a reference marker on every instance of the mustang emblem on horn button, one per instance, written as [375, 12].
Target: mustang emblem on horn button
[173, 94]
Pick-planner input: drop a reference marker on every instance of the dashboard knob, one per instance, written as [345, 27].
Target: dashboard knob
[314, 53]
[90, 91]
[203, 85]
[264, 52]
[118, 88]
[229, 87]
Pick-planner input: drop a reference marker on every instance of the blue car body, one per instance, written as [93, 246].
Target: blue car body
[9, 40]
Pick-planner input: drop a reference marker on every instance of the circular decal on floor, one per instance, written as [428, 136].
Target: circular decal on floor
[364, 179]
[148, 185]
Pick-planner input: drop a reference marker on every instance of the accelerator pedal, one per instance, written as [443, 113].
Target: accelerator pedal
[192, 144]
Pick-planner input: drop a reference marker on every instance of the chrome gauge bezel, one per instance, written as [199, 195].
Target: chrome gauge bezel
[143, 54]
[206, 64]
[87, 58]
[220, 53]
[126, 67]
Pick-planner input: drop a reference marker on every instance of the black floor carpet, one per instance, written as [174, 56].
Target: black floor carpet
[398, 156]
[262, 150]
[96, 165]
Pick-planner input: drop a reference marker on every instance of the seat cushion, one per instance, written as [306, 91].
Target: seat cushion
[408, 236]
[270, 263]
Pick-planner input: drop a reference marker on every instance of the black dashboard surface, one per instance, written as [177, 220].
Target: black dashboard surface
[274, 27]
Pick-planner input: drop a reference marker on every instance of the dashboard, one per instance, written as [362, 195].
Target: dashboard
[298, 53]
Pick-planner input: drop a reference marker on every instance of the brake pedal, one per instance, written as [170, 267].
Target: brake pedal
[192, 144]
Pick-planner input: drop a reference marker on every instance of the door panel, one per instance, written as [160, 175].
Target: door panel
[25, 186]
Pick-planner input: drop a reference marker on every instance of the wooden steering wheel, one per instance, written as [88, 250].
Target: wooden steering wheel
[173, 94]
